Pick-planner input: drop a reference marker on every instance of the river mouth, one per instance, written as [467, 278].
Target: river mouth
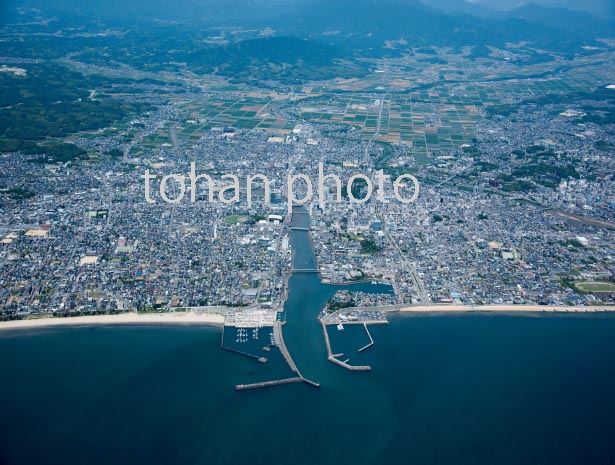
[307, 296]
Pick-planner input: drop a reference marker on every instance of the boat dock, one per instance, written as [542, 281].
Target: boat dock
[278, 338]
[240, 352]
[332, 358]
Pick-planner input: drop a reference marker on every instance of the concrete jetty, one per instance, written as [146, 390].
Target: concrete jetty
[277, 382]
[327, 342]
[349, 367]
[245, 354]
[311, 383]
[371, 341]
[278, 338]
[332, 359]
[237, 351]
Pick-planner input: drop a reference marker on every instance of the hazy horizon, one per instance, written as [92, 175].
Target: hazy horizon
[265, 7]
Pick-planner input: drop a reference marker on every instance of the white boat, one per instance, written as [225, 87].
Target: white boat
[340, 327]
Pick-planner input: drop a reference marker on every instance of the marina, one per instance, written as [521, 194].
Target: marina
[333, 357]
[254, 331]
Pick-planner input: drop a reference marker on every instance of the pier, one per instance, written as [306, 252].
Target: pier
[349, 367]
[277, 382]
[278, 338]
[332, 358]
[237, 351]
[296, 228]
[255, 357]
[371, 341]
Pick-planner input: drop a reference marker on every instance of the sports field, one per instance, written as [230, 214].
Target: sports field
[596, 286]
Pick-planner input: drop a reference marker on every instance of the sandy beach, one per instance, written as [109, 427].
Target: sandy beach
[505, 308]
[123, 318]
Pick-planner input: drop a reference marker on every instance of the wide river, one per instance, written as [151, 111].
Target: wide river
[464, 389]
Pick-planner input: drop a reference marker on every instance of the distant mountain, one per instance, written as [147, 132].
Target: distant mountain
[356, 27]
[562, 18]
[461, 6]
[285, 59]
[138, 10]
[364, 24]
[602, 8]
[274, 50]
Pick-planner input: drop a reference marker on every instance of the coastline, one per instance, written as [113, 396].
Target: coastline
[505, 308]
[181, 318]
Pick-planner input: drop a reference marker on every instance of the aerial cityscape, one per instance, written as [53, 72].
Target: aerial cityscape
[299, 183]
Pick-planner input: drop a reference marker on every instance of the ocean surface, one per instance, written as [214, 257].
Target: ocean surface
[467, 389]
[459, 389]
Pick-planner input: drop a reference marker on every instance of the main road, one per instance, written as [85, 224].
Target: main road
[409, 266]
